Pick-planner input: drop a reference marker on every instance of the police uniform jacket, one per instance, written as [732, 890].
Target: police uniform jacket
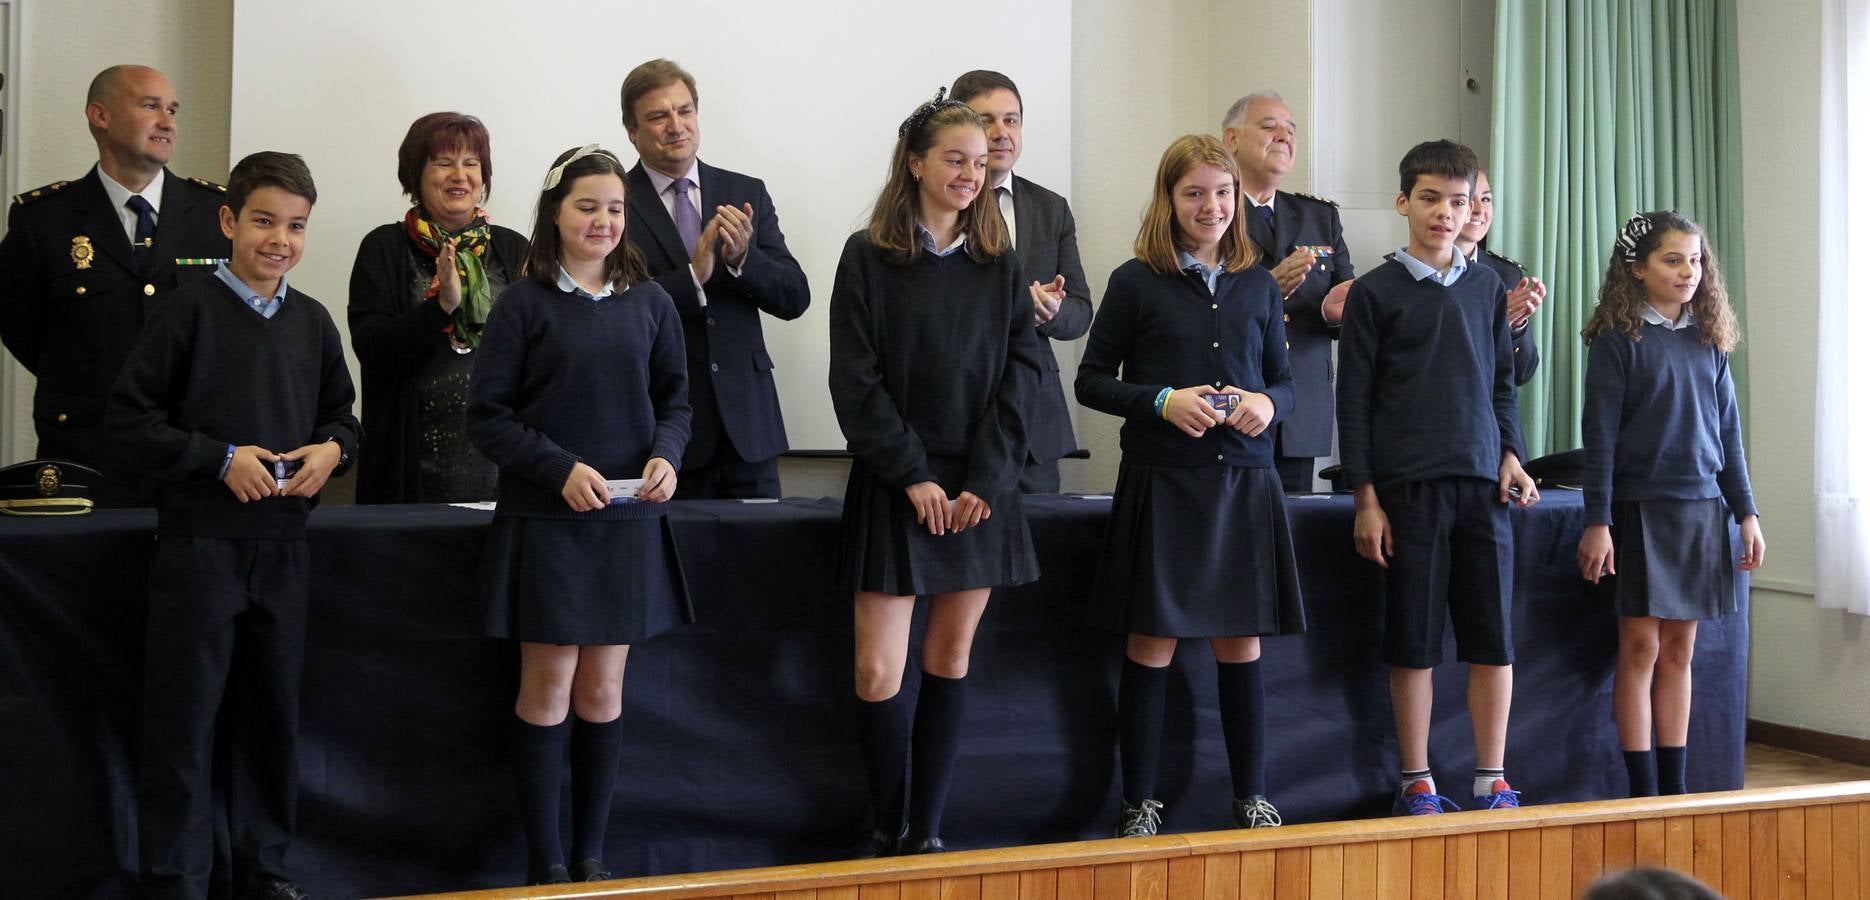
[73, 300]
[1301, 220]
[1525, 349]
[730, 383]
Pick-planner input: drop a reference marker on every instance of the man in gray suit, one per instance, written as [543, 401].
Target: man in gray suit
[1046, 239]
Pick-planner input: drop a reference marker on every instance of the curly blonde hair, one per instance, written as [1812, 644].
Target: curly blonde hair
[1621, 300]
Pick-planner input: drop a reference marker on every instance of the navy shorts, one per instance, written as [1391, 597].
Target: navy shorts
[1454, 560]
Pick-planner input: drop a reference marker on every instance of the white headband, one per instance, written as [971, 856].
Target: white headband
[558, 172]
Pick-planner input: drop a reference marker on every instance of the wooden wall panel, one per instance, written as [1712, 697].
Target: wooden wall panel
[1360, 871]
[1256, 875]
[1775, 844]
[1220, 878]
[1327, 873]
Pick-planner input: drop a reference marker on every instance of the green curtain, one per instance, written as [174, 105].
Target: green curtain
[1601, 109]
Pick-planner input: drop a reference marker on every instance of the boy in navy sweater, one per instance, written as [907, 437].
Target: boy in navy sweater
[1429, 436]
[236, 405]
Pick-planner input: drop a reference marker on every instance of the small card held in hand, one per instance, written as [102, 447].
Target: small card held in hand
[1226, 403]
[624, 490]
[283, 470]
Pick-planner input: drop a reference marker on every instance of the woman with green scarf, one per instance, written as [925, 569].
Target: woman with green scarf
[420, 292]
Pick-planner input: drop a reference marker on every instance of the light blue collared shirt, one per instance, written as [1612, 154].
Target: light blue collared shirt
[570, 285]
[1210, 275]
[266, 308]
[1686, 319]
[1420, 270]
[928, 241]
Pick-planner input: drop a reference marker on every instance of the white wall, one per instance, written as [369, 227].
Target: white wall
[1810, 665]
[66, 43]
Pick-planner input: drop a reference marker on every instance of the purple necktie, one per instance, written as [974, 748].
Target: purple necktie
[687, 219]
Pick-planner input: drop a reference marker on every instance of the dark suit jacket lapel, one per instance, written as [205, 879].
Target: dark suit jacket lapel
[650, 211]
[176, 201]
[1025, 213]
[101, 222]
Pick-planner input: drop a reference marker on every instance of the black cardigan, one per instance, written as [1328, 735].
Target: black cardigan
[393, 334]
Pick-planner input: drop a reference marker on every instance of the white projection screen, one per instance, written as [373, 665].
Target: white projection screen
[805, 95]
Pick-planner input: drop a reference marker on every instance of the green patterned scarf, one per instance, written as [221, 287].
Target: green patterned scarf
[470, 262]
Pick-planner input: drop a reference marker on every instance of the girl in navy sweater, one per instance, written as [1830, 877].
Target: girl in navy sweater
[932, 354]
[1664, 469]
[1198, 544]
[581, 377]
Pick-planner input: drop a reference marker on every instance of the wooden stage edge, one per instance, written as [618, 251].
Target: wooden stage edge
[1750, 843]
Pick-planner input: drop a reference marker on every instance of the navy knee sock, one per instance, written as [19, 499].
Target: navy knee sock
[886, 758]
[939, 711]
[1671, 770]
[1141, 696]
[596, 751]
[1642, 768]
[1243, 723]
[539, 769]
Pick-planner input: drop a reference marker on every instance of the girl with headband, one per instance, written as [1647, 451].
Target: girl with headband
[932, 356]
[580, 378]
[1664, 468]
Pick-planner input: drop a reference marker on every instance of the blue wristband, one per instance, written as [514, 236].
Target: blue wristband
[226, 464]
[1162, 400]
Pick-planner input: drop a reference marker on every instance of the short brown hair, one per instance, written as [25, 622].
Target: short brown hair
[1159, 241]
[269, 168]
[653, 75]
[982, 81]
[623, 267]
[1443, 158]
[438, 133]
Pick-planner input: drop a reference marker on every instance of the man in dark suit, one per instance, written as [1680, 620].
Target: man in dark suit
[1046, 239]
[712, 241]
[84, 261]
[1302, 242]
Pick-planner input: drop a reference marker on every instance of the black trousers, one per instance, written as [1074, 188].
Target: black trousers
[727, 476]
[226, 630]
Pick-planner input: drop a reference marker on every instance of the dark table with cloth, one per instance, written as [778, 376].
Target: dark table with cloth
[742, 745]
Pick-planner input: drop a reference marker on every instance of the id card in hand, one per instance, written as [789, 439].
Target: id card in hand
[624, 490]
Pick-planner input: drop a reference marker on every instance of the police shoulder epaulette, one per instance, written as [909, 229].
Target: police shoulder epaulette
[1314, 198]
[40, 193]
[1507, 259]
[217, 188]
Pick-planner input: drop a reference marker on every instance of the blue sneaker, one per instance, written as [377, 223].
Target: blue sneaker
[1418, 800]
[1503, 797]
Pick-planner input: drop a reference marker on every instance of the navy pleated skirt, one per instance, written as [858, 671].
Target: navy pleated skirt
[1198, 552]
[1675, 559]
[882, 548]
[564, 581]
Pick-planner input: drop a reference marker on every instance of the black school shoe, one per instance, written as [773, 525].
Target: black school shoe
[926, 845]
[880, 843]
[554, 874]
[277, 889]
[590, 870]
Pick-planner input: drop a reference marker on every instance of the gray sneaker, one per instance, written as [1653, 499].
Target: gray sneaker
[1140, 820]
[1255, 812]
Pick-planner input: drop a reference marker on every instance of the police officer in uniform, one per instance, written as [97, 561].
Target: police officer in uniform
[84, 261]
[1302, 242]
